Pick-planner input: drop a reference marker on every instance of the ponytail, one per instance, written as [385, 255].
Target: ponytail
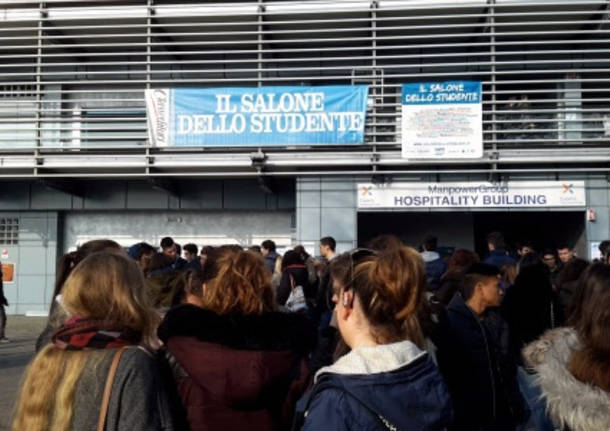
[391, 288]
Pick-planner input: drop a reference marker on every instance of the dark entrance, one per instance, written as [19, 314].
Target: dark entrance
[468, 229]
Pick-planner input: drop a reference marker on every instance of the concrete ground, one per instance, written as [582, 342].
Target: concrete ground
[14, 356]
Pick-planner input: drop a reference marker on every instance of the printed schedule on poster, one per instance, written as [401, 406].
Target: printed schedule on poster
[442, 120]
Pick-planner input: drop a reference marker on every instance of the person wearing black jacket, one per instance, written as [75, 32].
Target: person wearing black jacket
[475, 357]
[530, 306]
[294, 273]
[3, 303]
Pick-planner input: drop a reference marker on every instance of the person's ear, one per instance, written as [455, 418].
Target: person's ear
[347, 300]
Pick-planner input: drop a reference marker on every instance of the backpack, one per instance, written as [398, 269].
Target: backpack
[296, 301]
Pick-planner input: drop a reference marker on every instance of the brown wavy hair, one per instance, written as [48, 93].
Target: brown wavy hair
[590, 363]
[391, 288]
[241, 284]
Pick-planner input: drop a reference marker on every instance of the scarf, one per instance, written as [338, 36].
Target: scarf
[79, 333]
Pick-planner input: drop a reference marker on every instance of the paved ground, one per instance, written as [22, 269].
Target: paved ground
[14, 356]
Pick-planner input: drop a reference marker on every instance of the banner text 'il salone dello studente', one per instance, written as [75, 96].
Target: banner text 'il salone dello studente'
[261, 116]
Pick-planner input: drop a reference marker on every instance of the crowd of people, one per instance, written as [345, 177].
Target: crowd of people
[383, 337]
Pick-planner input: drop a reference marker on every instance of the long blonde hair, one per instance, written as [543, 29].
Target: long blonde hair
[105, 286]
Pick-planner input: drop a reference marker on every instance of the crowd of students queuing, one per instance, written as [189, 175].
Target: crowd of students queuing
[384, 337]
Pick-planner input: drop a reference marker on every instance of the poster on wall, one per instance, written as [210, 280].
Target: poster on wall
[8, 272]
[511, 194]
[260, 116]
[594, 252]
[442, 120]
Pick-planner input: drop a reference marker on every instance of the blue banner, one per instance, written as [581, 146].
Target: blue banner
[263, 116]
[434, 93]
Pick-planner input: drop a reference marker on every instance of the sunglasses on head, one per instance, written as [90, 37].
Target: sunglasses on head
[356, 256]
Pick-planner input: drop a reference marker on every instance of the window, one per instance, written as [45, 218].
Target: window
[9, 231]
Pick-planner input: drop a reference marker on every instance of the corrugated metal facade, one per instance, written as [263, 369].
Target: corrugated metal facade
[73, 75]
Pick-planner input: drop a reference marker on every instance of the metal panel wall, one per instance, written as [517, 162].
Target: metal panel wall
[72, 76]
[34, 257]
[202, 228]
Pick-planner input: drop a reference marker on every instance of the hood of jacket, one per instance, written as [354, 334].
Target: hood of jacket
[570, 402]
[238, 360]
[393, 379]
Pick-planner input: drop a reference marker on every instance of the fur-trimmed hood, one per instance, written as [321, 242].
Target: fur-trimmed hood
[379, 359]
[275, 331]
[570, 402]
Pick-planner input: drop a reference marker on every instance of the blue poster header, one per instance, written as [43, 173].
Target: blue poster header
[435, 93]
[262, 116]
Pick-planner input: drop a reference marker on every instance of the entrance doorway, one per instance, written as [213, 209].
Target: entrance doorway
[461, 229]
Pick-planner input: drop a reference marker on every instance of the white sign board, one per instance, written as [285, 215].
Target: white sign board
[512, 194]
[442, 120]
[594, 252]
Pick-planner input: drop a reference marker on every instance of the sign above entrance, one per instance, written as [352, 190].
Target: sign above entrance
[442, 120]
[512, 194]
[263, 116]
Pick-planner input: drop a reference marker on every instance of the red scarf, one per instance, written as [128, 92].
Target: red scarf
[79, 333]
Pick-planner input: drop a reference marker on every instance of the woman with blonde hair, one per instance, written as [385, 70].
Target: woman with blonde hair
[65, 265]
[387, 381]
[97, 373]
[237, 359]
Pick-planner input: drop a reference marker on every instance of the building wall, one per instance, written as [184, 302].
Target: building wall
[598, 196]
[183, 194]
[34, 257]
[199, 227]
[326, 206]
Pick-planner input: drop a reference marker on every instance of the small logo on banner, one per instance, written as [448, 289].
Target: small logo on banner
[568, 188]
[366, 191]
[157, 107]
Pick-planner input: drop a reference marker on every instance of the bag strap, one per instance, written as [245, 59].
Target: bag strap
[101, 422]
[299, 420]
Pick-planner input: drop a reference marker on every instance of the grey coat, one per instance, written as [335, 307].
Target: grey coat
[138, 400]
